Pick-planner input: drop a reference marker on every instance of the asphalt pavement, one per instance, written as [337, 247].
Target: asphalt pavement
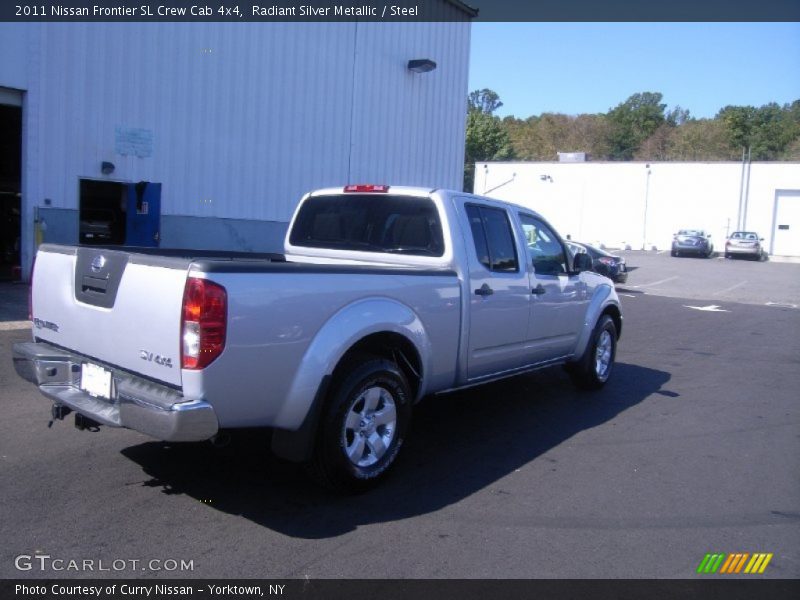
[693, 447]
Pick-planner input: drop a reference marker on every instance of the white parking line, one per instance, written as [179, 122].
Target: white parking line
[729, 289]
[629, 295]
[655, 282]
[781, 304]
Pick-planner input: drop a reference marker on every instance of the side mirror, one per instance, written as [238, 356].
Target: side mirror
[581, 262]
[709, 236]
[760, 239]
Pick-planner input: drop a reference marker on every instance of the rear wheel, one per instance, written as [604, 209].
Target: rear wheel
[593, 370]
[674, 253]
[363, 427]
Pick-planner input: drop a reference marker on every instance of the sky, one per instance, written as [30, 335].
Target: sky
[576, 68]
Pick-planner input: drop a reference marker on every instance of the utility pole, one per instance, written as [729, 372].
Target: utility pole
[646, 199]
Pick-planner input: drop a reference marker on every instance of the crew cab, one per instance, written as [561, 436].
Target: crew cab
[383, 296]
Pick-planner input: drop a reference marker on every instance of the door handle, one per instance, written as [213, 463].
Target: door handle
[538, 290]
[484, 290]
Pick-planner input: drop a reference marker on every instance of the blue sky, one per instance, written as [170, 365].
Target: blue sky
[576, 68]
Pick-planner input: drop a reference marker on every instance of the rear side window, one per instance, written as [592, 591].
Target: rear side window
[370, 223]
[494, 240]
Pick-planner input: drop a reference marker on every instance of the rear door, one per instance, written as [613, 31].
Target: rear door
[499, 292]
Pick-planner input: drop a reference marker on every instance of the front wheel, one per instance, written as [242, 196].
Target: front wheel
[594, 368]
[363, 427]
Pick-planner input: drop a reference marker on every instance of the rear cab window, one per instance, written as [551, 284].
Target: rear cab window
[493, 238]
[370, 223]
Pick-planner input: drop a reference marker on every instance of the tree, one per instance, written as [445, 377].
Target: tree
[700, 139]
[633, 121]
[487, 139]
[767, 131]
[484, 101]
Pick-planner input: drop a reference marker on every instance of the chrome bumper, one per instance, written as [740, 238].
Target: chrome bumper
[136, 403]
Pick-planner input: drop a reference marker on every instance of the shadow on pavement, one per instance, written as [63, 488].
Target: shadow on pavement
[460, 444]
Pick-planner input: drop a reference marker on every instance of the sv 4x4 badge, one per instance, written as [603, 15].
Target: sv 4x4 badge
[156, 358]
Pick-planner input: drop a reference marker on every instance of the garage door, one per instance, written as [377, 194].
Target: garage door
[786, 232]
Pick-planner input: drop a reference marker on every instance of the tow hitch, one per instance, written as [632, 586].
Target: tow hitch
[57, 413]
[85, 423]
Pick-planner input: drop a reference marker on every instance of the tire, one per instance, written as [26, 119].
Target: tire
[363, 426]
[674, 253]
[594, 368]
[727, 255]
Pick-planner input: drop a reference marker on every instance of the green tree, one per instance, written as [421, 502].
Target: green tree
[768, 131]
[485, 101]
[632, 122]
[487, 139]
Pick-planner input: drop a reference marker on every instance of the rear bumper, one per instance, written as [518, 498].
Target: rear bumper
[690, 249]
[743, 250]
[136, 403]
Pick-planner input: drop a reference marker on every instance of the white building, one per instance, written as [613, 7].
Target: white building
[225, 124]
[641, 205]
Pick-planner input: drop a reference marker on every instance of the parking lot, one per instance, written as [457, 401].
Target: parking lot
[693, 447]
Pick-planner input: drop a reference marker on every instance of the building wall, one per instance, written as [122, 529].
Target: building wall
[605, 202]
[244, 118]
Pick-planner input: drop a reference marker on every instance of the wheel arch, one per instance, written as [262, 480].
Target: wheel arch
[377, 326]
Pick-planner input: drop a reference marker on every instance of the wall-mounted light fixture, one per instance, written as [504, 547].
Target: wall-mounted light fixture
[546, 178]
[107, 168]
[421, 65]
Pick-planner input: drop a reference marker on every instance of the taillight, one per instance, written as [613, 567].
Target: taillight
[362, 187]
[203, 323]
[606, 260]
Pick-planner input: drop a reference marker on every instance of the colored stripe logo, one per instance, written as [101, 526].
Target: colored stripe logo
[739, 562]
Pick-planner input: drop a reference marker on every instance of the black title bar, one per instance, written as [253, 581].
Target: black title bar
[400, 10]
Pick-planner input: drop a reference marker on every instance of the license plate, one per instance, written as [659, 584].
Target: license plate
[96, 381]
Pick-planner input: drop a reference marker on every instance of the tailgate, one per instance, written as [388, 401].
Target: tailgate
[118, 307]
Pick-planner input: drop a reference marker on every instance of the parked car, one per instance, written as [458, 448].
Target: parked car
[96, 226]
[383, 296]
[745, 243]
[604, 263]
[692, 241]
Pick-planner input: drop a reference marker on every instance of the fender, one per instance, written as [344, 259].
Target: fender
[604, 296]
[340, 333]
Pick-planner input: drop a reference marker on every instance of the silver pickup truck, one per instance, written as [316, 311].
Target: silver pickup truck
[383, 296]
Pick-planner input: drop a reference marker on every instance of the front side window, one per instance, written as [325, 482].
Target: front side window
[370, 223]
[493, 237]
[544, 248]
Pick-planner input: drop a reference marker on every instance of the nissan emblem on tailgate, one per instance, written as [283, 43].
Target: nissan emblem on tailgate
[98, 262]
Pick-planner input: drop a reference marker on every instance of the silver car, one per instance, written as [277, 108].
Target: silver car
[745, 243]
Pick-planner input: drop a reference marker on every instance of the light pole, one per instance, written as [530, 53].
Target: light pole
[646, 199]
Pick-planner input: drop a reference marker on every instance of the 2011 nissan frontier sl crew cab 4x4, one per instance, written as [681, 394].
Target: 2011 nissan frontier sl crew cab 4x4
[383, 296]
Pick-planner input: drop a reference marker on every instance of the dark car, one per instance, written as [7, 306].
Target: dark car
[692, 241]
[603, 262]
[96, 226]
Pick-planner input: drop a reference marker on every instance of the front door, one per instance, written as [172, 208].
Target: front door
[559, 299]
